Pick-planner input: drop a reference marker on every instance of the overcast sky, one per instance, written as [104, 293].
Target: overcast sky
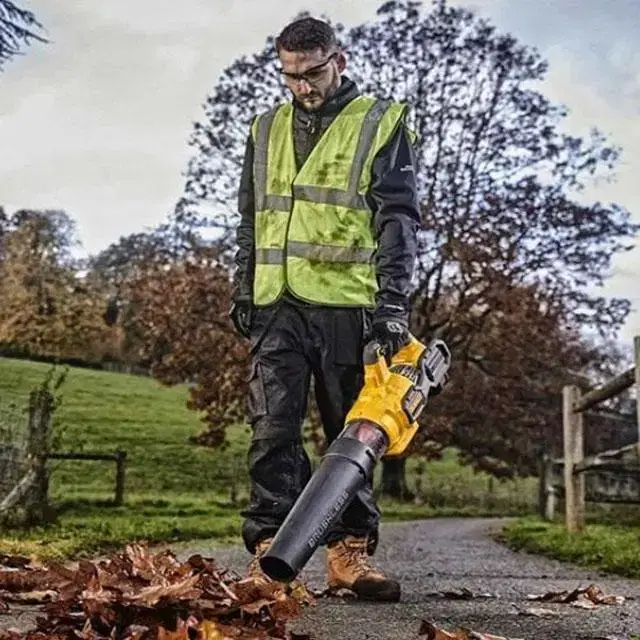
[96, 122]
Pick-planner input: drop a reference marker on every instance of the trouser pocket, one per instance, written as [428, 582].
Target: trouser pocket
[256, 405]
[348, 336]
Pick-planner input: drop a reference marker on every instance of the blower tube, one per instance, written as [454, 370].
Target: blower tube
[346, 466]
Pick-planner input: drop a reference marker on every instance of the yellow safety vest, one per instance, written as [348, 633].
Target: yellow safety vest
[313, 229]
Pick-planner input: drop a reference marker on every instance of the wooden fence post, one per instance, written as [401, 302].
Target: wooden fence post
[41, 406]
[573, 437]
[636, 351]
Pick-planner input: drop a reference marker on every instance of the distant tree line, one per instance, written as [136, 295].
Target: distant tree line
[509, 252]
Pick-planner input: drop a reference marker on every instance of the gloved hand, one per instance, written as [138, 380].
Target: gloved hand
[240, 314]
[391, 334]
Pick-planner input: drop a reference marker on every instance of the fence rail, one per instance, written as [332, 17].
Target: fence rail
[119, 457]
[610, 476]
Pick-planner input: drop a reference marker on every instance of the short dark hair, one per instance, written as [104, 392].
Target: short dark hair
[307, 34]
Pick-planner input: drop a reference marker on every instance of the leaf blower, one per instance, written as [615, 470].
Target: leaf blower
[382, 421]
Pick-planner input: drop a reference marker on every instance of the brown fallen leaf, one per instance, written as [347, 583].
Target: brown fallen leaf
[436, 633]
[180, 633]
[302, 594]
[29, 597]
[151, 595]
[285, 608]
[555, 596]
[134, 632]
[596, 596]
[23, 580]
[255, 606]
[579, 597]
[209, 630]
[584, 603]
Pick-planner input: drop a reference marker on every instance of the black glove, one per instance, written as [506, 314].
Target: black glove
[240, 314]
[391, 334]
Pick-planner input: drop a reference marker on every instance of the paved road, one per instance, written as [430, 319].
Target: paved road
[432, 556]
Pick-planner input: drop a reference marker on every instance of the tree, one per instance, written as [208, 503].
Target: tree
[17, 27]
[119, 262]
[46, 308]
[179, 313]
[502, 205]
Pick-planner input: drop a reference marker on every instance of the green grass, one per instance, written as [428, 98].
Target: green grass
[175, 490]
[609, 542]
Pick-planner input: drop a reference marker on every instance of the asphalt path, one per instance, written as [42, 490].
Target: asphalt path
[432, 557]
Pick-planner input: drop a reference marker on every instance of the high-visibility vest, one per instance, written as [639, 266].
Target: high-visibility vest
[313, 229]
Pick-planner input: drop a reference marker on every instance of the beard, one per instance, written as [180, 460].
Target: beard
[311, 101]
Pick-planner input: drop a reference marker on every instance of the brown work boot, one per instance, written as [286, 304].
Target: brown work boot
[348, 568]
[296, 588]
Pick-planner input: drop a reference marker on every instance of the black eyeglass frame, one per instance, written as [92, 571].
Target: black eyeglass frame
[298, 77]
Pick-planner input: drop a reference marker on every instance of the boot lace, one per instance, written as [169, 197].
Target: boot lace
[354, 555]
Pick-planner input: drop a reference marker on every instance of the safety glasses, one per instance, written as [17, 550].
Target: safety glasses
[311, 75]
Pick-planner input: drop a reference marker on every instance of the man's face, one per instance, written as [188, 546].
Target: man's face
[312, 76]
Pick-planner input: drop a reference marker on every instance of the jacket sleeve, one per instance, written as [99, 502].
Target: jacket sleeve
[244, 258]
[393, 198]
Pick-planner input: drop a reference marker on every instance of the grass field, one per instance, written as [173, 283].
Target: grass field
[175, 490]
[609, 542]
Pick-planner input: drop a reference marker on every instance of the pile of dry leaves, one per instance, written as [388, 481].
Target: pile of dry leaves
[137, 595]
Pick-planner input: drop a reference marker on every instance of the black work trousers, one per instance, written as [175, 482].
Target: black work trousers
[291, 345]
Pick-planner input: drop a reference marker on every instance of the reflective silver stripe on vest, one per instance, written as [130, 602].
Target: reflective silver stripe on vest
[350, 198]
[367, 134]
[261, 158]
[320, 253]
[269, 256]
[324, 195]
[329, 253]
[276, 203]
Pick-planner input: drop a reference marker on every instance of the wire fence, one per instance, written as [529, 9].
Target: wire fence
[14, 438]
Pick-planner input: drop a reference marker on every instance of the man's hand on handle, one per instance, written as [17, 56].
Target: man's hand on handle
[390, 328]
[240, 314]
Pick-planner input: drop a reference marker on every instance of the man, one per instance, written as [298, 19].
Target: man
[327, 245]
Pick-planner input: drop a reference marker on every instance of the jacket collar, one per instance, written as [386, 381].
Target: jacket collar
[347, 91]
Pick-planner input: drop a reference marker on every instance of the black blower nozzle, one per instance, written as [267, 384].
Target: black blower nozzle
[345, 468]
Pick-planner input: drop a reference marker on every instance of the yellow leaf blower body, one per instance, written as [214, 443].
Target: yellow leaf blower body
[382, 421]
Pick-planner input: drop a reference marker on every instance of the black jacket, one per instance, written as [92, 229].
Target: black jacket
[393, 199]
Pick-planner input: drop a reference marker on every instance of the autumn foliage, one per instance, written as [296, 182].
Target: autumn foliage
[180, 313]
[47, 310]
[502, 408]
[139, 595]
